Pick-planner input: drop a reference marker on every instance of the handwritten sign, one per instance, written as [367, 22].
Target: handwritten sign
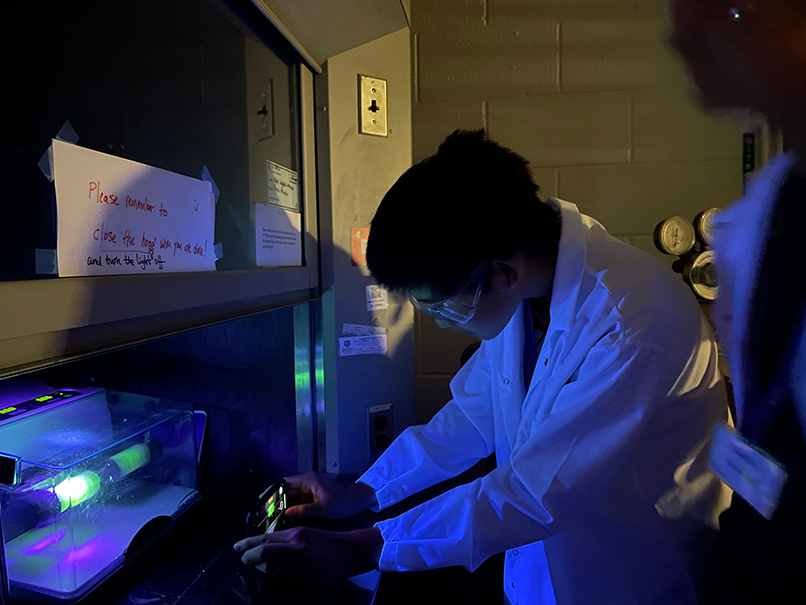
[282, 186]
[116, 216]
[278, 237]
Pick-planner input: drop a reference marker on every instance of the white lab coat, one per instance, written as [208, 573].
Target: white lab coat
[740, 233]
[602, 493]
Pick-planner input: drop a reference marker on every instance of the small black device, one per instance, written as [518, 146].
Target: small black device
[268, 514]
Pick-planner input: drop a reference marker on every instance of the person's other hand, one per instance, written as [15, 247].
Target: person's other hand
[320, 496]
[313, 556]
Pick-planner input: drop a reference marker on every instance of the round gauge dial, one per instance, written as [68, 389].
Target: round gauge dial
[704, 225]
[675, 235]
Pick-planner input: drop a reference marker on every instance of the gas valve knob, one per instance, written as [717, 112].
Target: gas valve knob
[700, 274]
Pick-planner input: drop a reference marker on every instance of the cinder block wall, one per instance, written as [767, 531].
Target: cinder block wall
[588, 93]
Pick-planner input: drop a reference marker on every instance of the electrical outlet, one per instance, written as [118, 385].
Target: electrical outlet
[372, 113]
[380, 429]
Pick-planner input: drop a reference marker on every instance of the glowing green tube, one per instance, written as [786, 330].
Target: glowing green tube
[130, 459]
[75, 490]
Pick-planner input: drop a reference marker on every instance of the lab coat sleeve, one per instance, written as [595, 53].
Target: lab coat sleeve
[458, 436]
[564, 468]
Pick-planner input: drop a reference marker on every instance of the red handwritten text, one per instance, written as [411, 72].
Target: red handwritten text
[128, 239]
[100, 196]
[139, 205]
[198, 250]
[102, 235]
[148, 243]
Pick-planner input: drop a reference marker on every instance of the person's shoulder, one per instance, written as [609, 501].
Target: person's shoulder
[646, 295]
[625, 269]
[762, 187]
[743, 220]
[620, 268]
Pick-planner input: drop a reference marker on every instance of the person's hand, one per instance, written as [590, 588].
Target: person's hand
[322, 497]
[313, 556]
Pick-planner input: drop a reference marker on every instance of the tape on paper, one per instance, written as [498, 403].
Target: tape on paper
[46, 262]
[67, 134]
[206, 176]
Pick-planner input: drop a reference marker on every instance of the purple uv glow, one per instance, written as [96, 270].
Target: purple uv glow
[46, 542]
[89, 549]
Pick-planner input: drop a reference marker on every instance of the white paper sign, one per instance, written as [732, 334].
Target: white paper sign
[278, 236]
[282, 186]
[377, 298]
[116, 216]
[363, 345]
[359, 330]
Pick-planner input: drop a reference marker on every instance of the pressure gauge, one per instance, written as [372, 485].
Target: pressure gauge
[675, 236]
[704, 225]
[701, 275]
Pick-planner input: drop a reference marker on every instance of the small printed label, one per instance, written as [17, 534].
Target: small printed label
[359, 330]
[362, 345]
[377, 298]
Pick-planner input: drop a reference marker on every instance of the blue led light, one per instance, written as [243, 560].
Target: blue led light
[735, 14]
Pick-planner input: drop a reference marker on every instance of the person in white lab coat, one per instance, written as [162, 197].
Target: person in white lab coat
[596, 386]
[749, 55]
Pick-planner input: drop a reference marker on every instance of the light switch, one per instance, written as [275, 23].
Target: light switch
[372, 109]
[265, 110]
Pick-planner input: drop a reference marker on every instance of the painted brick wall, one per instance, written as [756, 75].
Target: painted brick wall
[588, 93]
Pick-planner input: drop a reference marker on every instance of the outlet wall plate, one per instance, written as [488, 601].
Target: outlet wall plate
[372, 110]
[380, 429]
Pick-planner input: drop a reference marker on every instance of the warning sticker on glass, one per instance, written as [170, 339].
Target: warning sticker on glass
[377, 298]
[363, 345]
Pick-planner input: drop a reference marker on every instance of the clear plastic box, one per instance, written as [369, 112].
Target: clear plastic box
[89, 475]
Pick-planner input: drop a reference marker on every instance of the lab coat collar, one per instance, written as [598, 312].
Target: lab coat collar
[570, 267]
[568, 274]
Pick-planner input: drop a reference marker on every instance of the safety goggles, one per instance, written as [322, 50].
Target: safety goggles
[461, 305]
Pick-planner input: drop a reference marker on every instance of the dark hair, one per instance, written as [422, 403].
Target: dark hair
[471, 202]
